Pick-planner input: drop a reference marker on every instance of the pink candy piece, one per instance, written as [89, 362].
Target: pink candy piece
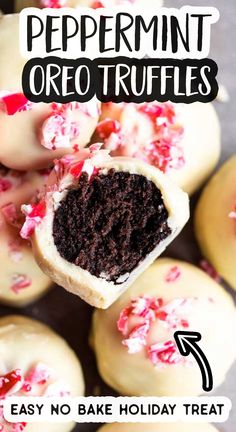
[106, 127]
[209, 269]
[38, 375]
[19, 282]
[34, 215]
[97, 4]
[58, 131]
[173, 274]
[56, 4]
[13, 103]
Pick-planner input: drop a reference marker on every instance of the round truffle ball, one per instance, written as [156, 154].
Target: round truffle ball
[35, 361]
[134, 339]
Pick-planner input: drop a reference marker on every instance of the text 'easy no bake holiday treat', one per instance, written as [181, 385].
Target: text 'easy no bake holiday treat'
[102, 221]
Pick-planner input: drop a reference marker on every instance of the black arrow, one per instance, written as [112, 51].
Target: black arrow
[187, 344]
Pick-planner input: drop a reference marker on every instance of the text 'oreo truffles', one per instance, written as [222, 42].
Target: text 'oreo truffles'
[102, 221]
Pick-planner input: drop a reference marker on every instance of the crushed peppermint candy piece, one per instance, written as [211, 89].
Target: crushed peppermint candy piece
[209, 269]
[146, 310]
[56, 4]
[173, 274]
[14, 102]
[38, 375]
[20, 282]
[10, 383]
[97, 4]
[34, 214]
[106, 127]
[57, 131]
[164, 353]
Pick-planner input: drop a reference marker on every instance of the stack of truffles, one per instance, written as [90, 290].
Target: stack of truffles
[90, 196]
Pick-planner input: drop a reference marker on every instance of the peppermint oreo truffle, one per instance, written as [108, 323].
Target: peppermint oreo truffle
[161, 427]
[181, 140]
[20, 4]
[35, 361]
[103, 221]
[215, 221]
[134, 339]
[37, 132]
[21, 279]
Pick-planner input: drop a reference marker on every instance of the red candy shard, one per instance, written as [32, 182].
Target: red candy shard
[19, 282]
[38, 210]
[14, 102]
[97, 4]
[56, 4]
[173, 274]
[77, 169]
[106, 127]
[10, 383]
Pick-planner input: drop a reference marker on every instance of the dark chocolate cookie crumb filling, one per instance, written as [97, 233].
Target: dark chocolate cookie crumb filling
[109, 224]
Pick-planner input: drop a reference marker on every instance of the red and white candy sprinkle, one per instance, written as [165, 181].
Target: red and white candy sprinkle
[164, 150]
[20, 282]
[12, 103]
[53, 3]
[34, 214]
[173, 274]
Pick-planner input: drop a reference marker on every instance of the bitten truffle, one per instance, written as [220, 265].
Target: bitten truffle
[102, 221]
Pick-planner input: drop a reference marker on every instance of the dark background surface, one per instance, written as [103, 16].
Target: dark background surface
[71, 317]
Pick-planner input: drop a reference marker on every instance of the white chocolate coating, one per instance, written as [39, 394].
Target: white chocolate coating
[215, 221]
[20, 4]
[21, 133]
[24, 344]
[210, 311]
[200, 142]
[137, 427]
[21, 279]
[101, 292]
